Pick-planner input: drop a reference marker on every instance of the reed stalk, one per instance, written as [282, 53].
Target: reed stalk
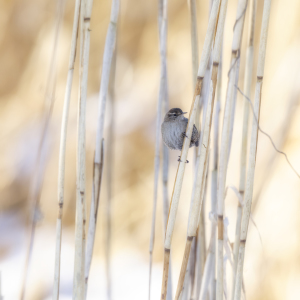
[165, 155]
[165, 175]
[106, 67]
[194, 41]
[165, 171]
[247, 89]
[62, 151]
[165, 166]
[190, 274]
[253, 148]
[209, 266]
[186, 143]
[225, 140]
[38, 176]
[214, 175]
[109, 163]
[204, 147]
[162, 93]
[80, 234]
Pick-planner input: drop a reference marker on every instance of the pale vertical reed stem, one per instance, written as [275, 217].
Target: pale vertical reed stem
[236, 80]
[106, 67]
[80, 235]
[214, 179]
[204, 147]
[209, 266]
[165, 155]
[225, 141]
[253, 148]
[109, 164]
[39, 171]
[247, 91]
[165, 166]
[161, 96]
[201, 242]
[181, 166]
[194, 40]
[236, 48]
[62, 151]
[165, 175]
[195, 62]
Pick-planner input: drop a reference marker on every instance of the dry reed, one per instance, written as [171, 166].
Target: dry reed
[80, 230]
[162, 92]
[253, 148]
[190, 274]
[204, 147]
[106, 67]
[247, 89]
[165, 151]
[181, 166]
[225, 141]
[38, 176]
[62, 151]
[109, 172]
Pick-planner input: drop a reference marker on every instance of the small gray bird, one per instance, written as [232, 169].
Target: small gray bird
[173, 130]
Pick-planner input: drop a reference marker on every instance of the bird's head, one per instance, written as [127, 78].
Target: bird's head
[174, 114]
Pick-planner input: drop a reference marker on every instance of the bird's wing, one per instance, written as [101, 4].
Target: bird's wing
[195, 136]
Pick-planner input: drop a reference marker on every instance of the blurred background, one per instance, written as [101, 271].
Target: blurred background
[272, 268]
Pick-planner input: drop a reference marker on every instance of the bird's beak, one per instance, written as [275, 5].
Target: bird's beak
[184, 113]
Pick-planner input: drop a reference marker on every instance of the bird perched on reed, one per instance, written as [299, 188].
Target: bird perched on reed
[173, 130]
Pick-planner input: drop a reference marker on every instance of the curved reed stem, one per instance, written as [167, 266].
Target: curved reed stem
[161, 96]
[204, 146]
[106, 67]
[39, 171]
[253, 149]
[80, 234]
[62, 151]
[181, 166]
[226, 141]
[247, 89]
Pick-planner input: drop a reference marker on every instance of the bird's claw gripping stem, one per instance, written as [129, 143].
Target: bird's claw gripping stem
[181, 160]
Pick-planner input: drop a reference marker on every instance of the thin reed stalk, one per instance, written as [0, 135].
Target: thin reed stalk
[80, 234]
[204, 146]
[186, 143]
[39, 171]
[247, 89]
[109, 164]
[253, 148]
[190, 274]
[162, 93]
[209, 266]
[225, 141]
[165, 155]
[165, 167]
[194, 40]
[62, 151]
[214, 175]
[106, 67]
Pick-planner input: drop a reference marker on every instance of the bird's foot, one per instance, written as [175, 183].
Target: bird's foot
[184, 135]
[181, 160]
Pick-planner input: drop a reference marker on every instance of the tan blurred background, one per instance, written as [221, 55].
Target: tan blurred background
[272, 269]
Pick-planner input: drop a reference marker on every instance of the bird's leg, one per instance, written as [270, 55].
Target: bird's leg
[181, 160]
[184, 135]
